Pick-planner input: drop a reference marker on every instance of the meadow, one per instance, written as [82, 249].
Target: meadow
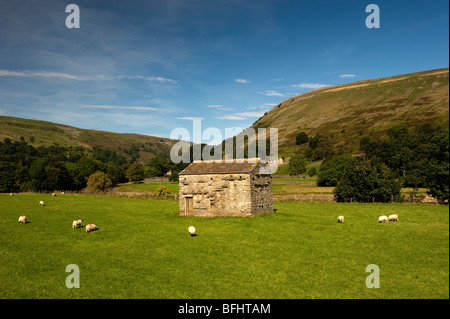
[142, 250]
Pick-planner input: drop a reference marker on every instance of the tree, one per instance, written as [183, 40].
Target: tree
[156, 167]
[312, 171]
[98, 182]
[135, 172]
[162, 191]
[438, 171]
[48, 174]
[367, 180]
[297, 165]
[116, 173]
[323, 149]
[301, 138]
[332, 170]
[7, 177]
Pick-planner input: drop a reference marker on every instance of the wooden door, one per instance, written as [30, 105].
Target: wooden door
[189, 205]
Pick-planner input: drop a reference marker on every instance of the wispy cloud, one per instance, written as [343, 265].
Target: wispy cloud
[45, 74]
[309, 85]
[189, 118]
[347, 76]
[219, 107]
[232, 117]
[244, 81]
[139, 108]
[147, 78]
[271, 93]
[31, 74]
[251, 114]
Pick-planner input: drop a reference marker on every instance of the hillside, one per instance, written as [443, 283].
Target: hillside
[347, 113]
[41, 133]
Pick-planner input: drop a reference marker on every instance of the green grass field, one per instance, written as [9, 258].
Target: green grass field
[142, 250]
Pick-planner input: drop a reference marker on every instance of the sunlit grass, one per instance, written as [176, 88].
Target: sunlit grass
[142, 250]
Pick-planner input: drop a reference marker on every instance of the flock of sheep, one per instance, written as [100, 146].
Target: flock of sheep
[75, 223]
[89, 227]
[381, 219]
[191, 229]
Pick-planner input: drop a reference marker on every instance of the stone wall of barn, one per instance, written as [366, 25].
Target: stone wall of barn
[262, 193]
[216, 194]
[226, 194]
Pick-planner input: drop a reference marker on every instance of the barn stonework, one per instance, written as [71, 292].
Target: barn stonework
[224, 189]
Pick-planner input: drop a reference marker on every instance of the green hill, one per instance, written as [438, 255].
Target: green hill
[347, 113]
[42, 133]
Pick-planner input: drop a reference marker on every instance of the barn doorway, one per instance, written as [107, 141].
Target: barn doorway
[189, 205]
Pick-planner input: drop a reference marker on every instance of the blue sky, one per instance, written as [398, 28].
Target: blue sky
[148, 67]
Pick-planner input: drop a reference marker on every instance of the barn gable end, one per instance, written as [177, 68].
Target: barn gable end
[224, 189]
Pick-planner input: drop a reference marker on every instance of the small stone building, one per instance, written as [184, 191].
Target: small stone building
[224, 189]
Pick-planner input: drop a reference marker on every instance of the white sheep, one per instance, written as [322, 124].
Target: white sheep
[10, 194]
[77, 223]
[54, 194]
[41, 203]
[91, 227]
[340, 219]
[23, 219]
[62, 193]
[393, 217]
[383, 219]
[191, 230]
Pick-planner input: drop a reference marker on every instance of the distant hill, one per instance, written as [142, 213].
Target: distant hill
[42, 133]
[347, 113]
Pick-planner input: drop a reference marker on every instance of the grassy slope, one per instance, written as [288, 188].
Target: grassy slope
[366, 108]
[47, 133]
[142, 250]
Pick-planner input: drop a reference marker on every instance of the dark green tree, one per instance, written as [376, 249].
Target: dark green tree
[438, 167]
[332, 170]
[297, 165]
[135, 172]
[301, 138]
[367, 180]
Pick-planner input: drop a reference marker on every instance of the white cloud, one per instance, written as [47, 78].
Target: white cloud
[31, 74]
[242, 81]
[147, 78]
[251, 114]
[189, 118]
[219, 107]
[139, 108]
[347, 76]
[232, 117]
[309, 85]
[272, 93]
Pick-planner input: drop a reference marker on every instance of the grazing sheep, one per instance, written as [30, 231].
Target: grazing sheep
[23, 219]
[62, 193]
[10, 194]
[383, 219]
[340, 219]
[41, 203]
[191, 230]
[54, 194]
[91, 227]
[77, 223]
[393, 218]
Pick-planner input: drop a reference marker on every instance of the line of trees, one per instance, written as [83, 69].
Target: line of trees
[48, 168]
[404, 159]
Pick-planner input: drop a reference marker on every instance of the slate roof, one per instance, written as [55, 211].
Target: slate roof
[218, 168]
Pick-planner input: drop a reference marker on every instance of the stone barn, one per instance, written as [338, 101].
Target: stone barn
[224, 189]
